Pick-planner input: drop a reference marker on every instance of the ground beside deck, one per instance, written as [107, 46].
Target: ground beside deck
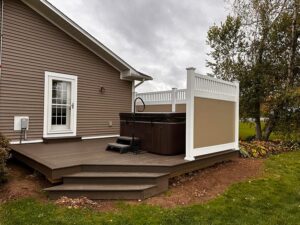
[87, 166]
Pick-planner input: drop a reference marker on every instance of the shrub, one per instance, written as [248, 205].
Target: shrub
[4, 153]
[261, 149]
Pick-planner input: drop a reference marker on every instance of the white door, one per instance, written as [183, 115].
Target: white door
[60, 105]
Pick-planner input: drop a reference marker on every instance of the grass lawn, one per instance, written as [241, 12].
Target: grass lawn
[247, 129]
[273, 199]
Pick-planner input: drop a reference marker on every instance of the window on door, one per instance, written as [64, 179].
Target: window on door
[61, 104]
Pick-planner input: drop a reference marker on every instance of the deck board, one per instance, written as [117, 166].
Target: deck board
[90, 152]
[56, 160]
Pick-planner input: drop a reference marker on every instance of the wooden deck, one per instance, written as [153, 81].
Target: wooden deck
[87, 162]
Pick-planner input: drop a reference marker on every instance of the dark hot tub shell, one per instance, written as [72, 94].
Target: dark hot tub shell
[160, 133]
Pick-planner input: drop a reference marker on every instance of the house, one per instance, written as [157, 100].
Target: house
[60, 78]
[62, 94]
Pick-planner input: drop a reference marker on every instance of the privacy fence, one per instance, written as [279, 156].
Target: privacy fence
[212, 112]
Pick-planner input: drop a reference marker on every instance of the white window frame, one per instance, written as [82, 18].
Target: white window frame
[47, 105]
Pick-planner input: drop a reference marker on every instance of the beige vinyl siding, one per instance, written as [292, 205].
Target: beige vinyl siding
[31, 46]
[156, 108]
[181, 108]
[163, 108]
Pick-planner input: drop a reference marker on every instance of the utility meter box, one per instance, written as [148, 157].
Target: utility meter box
[21, 122]
[24, 123]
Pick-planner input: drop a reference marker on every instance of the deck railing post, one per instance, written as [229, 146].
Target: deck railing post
[237, 114]
[190, 93]
[174, 99]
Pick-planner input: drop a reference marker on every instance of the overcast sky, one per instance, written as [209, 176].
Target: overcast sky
[157, 37]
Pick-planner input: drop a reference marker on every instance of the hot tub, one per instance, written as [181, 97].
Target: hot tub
[160, 133]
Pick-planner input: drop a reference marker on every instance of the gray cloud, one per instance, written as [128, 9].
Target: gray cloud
[160, 38]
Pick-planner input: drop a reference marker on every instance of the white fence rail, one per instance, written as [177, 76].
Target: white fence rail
[208, 87]
[180, 96]
[174, 96]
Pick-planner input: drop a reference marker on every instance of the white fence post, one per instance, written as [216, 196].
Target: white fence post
[174, 99]
[190, 92]
[237, 114]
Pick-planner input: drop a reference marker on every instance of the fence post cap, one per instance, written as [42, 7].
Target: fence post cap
[236, 81]
[191, 68]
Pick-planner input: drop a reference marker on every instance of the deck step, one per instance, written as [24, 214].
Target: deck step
[117, 178]
[104, 191]
[122, 148]
[116, 174]
[53, 140]
[128, 140]
[156, 168]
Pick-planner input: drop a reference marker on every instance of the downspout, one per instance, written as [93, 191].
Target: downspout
[134, 93]
[139, 84]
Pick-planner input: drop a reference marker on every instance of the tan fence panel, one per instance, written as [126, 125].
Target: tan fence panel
[214, 122]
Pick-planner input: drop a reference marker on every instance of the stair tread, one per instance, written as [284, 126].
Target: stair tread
[100, 187]
[127, 138]
[117, 174]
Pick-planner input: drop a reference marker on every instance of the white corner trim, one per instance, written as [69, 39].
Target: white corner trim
[100, 137]
[133, 95]
[17, 142]
[213, 149]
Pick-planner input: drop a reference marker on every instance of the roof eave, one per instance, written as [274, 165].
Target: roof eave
[134, 75]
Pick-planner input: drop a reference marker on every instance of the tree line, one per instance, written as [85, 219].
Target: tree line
[258, 44]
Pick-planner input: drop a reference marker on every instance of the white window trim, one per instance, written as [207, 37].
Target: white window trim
[60, 76]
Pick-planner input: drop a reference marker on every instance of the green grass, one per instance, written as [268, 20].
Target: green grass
[273, 199]
[246, 130]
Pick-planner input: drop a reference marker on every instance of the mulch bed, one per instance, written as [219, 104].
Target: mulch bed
[23, 182]
[204, 185]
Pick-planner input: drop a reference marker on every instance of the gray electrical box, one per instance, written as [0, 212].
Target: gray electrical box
[24, 123]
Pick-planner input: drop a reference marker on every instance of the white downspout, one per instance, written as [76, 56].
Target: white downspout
[134, 86]
[139, 84]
